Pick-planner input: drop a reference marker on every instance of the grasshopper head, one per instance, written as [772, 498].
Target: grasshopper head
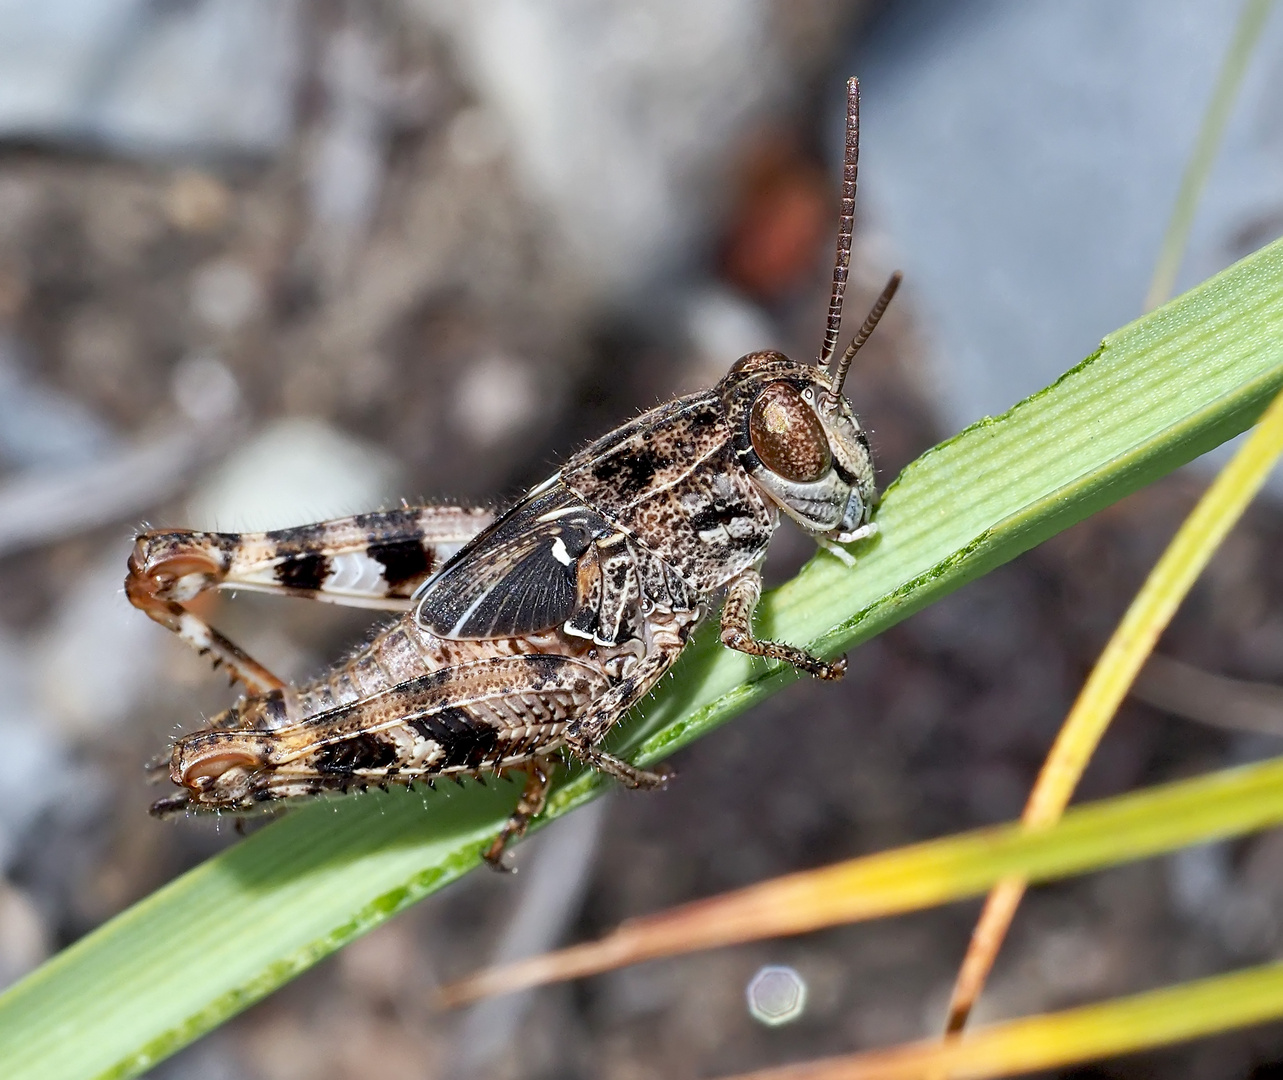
[801, 443]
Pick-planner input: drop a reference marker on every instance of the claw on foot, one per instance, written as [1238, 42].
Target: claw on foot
[833, 671]
[494, 855]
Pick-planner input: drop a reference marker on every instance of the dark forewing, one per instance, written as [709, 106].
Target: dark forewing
[518, 577]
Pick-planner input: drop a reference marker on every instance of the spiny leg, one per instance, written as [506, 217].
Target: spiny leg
[737, 631]
[628, 775]
[372, 560]
[369, 560]
[583, 734]
[443, 723]
[534, 796]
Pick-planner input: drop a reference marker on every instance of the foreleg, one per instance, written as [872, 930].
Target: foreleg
[737, 631]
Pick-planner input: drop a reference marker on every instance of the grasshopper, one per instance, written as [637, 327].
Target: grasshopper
[525, 636]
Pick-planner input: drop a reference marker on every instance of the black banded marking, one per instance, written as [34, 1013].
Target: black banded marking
[364, 751]
[714, 515]
[465, 743]
[298, 539]
[306, 572]
[630, 469]
[403, 561]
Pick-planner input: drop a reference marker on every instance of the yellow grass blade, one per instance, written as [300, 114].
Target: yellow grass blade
[1134, 826]
[1120, 1026]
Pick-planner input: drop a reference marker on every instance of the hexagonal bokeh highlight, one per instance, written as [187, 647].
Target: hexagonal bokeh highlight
[776, 995]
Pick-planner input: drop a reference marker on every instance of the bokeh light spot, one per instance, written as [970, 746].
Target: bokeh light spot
[776, 995]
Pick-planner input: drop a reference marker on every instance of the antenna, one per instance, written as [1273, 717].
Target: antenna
[842, 258]
[844, 365]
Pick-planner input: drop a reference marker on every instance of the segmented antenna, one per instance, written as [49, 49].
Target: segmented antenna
[842, 259]
[875, 314]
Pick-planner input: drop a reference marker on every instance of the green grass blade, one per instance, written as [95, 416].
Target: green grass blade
[1156, 394]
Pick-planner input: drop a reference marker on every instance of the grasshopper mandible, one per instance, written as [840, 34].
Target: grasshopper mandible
[526, 636]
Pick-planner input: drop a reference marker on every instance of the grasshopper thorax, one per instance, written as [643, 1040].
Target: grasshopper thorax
[800, 443]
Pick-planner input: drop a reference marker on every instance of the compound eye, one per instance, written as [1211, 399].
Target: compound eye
[787, 435]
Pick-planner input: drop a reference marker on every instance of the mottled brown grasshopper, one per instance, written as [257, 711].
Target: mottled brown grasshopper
[528, 635]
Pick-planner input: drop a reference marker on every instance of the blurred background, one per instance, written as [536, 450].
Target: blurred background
[262, 264]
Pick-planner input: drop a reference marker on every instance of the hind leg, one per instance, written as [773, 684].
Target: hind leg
[370, 560]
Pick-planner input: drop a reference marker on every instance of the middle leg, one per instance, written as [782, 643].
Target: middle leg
[534, 796]
[587, 730]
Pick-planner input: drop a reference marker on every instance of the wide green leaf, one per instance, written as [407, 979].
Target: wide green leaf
[1156, 394]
